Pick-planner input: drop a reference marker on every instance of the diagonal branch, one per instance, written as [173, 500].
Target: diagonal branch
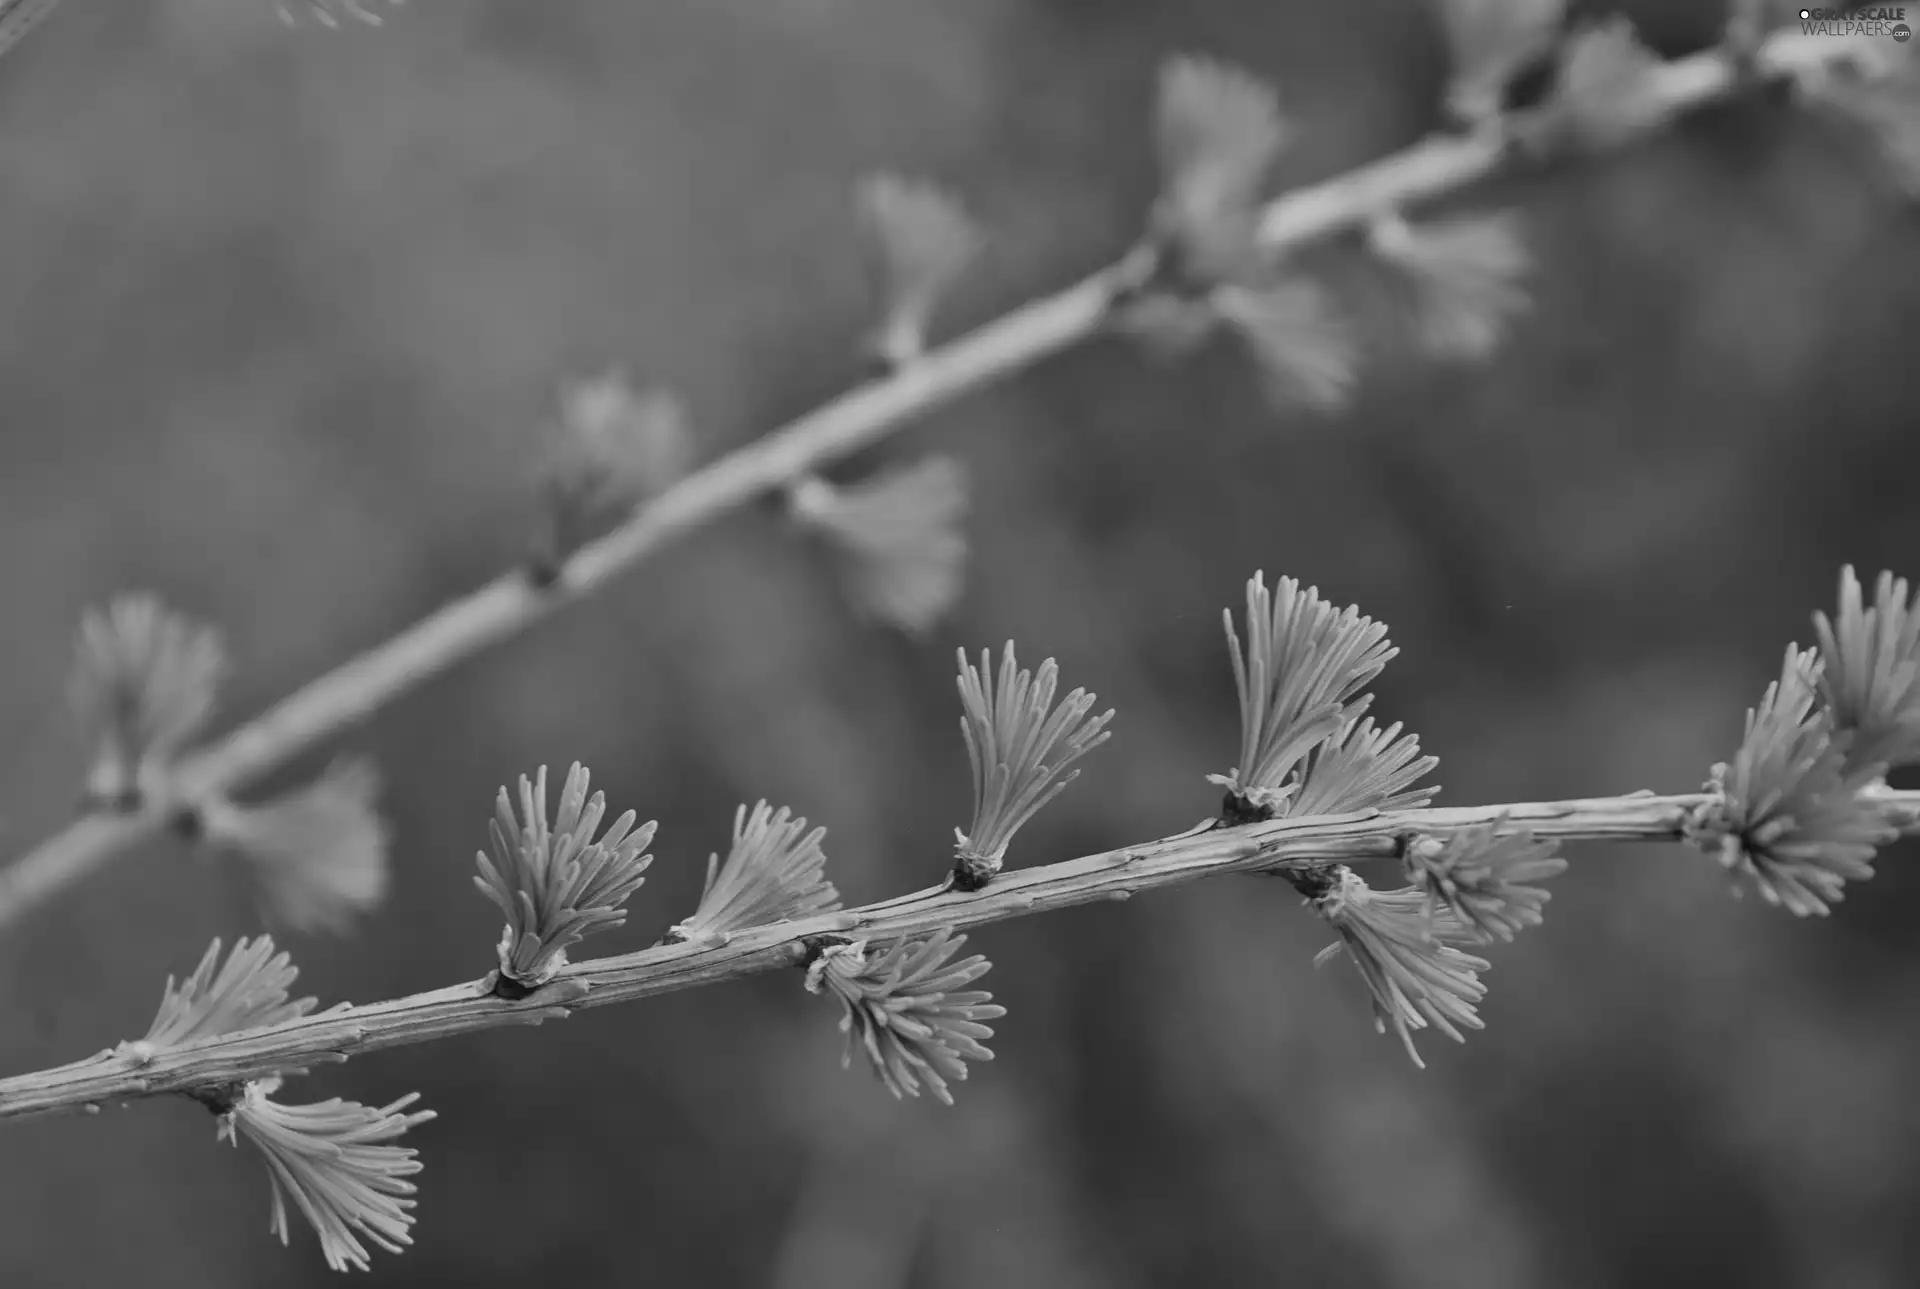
[510, 604]
[18, 17]
[1277, 845]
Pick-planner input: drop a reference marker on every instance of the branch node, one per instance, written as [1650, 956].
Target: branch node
[219, 1098]
[1314, 881]
[508, 989]
[972, 873]
[812, 946]
[544, 573]
[1236, 810]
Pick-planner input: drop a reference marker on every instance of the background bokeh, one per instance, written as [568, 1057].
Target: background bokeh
[281, 311]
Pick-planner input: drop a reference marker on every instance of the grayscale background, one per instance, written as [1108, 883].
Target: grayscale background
[279, 312]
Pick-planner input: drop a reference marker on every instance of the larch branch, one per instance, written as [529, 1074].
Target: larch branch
[230, 1060]
[510, 604]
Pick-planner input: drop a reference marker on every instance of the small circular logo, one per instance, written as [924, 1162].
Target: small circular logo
[1901, 32]
[1805, 14]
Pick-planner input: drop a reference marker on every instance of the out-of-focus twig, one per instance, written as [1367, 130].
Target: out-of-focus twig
[510, 604]
[18, 17]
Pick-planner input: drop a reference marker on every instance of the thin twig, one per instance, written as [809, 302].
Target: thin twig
[1111, 875]
[510, 604]
[18, 17]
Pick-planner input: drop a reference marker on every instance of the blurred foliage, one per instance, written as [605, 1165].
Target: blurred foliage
[284, 312]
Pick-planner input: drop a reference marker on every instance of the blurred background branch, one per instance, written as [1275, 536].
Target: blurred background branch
[356, 689]
[18, 17]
